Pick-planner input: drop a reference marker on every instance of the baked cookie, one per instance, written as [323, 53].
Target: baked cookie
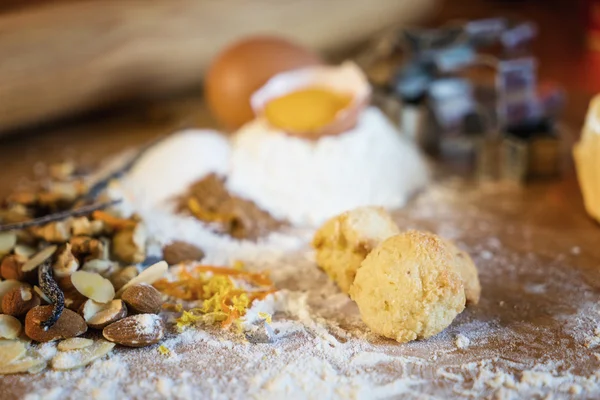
[407, 288]
[468, 272]
[344, 241]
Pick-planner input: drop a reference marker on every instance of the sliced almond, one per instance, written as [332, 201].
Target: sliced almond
[19, 301]
[25, 364]
[99, 315]
[70, 324]
[142, 299]
[136, 331]
[149, 275]
[75, 343]
[42, 295]
[24, 250]
[12, 350]
[8, 240]
[39, 258]
[93, 286]
[10, 327]
[38, 368]
[82, 357]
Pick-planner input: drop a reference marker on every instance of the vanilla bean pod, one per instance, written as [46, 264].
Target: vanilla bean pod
[52, 291]
[78, 212]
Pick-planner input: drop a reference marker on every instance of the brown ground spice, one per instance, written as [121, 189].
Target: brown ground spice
[210, 201]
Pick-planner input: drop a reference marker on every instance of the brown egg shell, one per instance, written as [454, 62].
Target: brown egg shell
[241, 69]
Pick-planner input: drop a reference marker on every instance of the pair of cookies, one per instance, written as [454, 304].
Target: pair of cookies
[408, 285]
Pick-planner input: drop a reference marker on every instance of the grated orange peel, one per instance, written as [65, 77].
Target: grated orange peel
[223, 301]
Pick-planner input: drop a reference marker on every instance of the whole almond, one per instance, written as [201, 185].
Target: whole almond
[70, 324]
[12, 268]
[136, 331]
[142, 299]
[178, 252]
[18, 301]
[98, 315]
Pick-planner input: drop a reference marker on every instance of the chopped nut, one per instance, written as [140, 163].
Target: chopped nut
[121, 277]
[8, 240]
[93, 286]
[10, 327]
[62, 171]
[53, 232]
[65, 263]
[142, 299]
[82, 226]
[136, 331]
[75, 343]
[178, 252]
[39, 258]
[19, 301]
[70, 324]
[129, 245]
[81, 357]
[85, 247]
[43, 297]
[23, 198]
[99, 315]
[12, 268]
[149, 275]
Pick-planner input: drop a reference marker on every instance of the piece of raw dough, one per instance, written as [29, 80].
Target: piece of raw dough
[468, 272]
[407, 288]
[344, 241]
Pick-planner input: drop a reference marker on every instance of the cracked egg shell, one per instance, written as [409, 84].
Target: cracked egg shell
[346, 79]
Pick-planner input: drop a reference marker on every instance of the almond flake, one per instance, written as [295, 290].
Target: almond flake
[24, 251]
[8, 240]
[93, 286]
[11, 351]
[22, 365]
[81, 357]
[41, 294]
[10, 327]
[149, 275]
[39, 258]
[75, 343]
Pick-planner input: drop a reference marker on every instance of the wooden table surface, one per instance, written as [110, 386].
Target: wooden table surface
[550, 213]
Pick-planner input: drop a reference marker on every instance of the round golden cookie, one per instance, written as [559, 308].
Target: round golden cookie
[468, 272]
[344, 241]
[407, 288]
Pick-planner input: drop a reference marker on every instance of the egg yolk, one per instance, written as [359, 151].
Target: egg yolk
[305, 110]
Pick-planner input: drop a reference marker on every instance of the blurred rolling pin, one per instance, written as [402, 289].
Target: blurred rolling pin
[65, 57]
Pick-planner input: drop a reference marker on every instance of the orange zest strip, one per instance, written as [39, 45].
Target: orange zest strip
[114, 222]
[256, 278]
